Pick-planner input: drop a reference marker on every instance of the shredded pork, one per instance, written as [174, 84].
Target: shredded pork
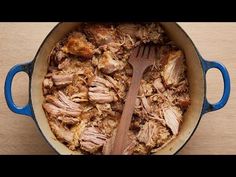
[89, 76]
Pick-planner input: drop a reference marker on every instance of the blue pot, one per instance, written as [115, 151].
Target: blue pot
[197, 69]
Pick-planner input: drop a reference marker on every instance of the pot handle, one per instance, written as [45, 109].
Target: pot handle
[26, 110]
[208, 107]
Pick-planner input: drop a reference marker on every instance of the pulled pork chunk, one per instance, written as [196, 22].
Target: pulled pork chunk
[107, 64]
[172, 116]
[55, 101]
[174, 69]
[68, 102]
[56, 111]
[99, 91]
[91, 139]
[118, 86]
[101, 97]
[148, 134]
[101, 81]
[100, 34]
[153, 134]
[78, 45]
[62, 79]
[61, 106]
[61, 132]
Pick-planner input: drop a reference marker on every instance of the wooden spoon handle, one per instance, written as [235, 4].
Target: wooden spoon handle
[123, 127]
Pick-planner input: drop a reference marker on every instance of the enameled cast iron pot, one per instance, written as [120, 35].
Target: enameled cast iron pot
[196, 73]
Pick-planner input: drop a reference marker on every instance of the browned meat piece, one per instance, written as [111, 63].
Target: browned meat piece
[47, 83]
[55, 111]
[91, 139]
[158, 85]
[100, 34]
[172, 116]
[148, 133]
[78, 45]
[174, 69]
[107, 64]
[62, 80]
[61, 133]
[68, 120]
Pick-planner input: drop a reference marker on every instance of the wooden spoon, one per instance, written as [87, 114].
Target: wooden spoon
[140, 59]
